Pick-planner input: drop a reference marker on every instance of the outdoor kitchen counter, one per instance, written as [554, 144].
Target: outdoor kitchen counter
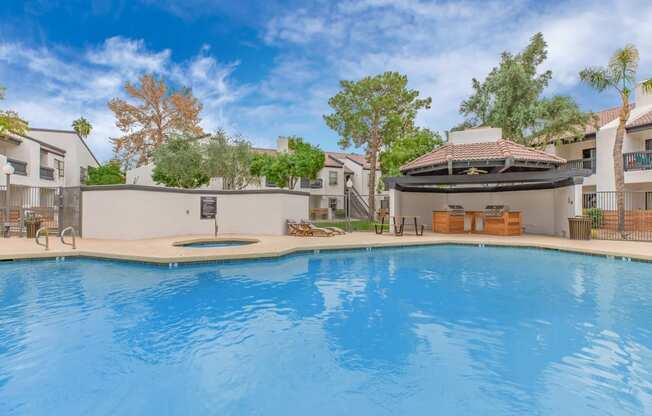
[447, 222]
[505, 224]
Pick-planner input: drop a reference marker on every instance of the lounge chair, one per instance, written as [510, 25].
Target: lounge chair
[302, 229]
[334, 230]
[296, 229]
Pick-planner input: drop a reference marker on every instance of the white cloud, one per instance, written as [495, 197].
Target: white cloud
[442, 45]
[439, 45]
[52, 87]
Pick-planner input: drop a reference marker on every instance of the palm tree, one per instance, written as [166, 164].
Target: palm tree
[620, 75]
[82, 127]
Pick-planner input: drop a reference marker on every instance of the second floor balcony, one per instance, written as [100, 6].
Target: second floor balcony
[587, 164]
[638, 160]
[20, 167]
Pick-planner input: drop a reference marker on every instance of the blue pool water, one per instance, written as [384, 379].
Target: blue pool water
[214, 244]
[433, 330]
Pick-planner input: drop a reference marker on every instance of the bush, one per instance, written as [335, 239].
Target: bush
[106, 174]
[596, 217]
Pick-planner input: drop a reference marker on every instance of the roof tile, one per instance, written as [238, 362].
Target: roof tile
[498, 150]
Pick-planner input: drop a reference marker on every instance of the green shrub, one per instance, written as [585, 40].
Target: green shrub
[596, 217]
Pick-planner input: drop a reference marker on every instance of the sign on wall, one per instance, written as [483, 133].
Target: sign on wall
[208, 209]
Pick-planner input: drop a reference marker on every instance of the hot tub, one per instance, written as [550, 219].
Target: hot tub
[214, 243]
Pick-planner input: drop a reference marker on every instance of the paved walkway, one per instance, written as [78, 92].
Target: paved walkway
[162, 250]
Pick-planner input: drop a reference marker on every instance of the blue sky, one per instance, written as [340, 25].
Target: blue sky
[267, 68]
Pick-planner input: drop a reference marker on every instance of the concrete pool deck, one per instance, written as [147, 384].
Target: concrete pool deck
[163, 250]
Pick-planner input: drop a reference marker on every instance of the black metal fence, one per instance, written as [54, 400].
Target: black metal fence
[636, 225]
[51, 208]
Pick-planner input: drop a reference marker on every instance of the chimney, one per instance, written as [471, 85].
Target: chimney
[642, 98]
[282, 144]
[476, 135]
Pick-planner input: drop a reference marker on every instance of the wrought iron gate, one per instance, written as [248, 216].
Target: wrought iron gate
[52, 208]
[602, 207]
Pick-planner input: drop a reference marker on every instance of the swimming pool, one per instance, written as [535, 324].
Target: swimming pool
[410, 331]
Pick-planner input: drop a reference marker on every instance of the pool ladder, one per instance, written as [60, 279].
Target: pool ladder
[73, 235]
[43, 232]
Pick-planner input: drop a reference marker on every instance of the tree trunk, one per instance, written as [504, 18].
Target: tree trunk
[619, 169]
[372, 157]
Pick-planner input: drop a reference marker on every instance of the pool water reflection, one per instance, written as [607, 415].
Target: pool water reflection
[426, 330]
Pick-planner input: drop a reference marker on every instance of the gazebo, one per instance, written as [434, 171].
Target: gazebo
[478, 168]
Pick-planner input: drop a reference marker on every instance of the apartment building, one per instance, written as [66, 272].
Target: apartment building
[328, 197]
[595, 152]
[44, 159]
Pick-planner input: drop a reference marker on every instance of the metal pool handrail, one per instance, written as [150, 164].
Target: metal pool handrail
[47, 238]
[73, 234]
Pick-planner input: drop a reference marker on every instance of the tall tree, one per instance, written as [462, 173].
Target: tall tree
[157, 113]
[10, 121]
[180, 163]
[407, 147]
[372, 112]
[618, 75]
[82, 127]
[284, 169]
[510, 97]
[229, 158]
[106, 174]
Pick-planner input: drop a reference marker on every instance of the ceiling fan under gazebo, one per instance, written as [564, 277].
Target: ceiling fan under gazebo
[475, 171]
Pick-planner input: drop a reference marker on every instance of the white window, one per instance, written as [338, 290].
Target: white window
[60, 168]
[332, 177]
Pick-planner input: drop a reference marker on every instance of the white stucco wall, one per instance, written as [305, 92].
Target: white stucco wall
[542, 211]
[131, 212]
[77, 156]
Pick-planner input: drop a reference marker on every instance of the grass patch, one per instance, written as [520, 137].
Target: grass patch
[356, 225]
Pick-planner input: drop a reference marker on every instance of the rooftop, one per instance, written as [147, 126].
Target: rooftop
[500, 150]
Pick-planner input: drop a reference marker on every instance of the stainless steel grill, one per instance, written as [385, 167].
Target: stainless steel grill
[495, 210]
[456, 210]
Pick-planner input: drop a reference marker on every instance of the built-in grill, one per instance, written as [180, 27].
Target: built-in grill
[495, 211]
[456, 210]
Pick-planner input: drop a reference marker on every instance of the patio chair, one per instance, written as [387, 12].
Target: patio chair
[380, 227]
[13, 223]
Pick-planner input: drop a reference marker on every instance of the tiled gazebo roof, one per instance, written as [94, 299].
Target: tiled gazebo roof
[490, 151]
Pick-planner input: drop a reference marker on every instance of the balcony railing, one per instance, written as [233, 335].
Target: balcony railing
[20, 168]
[588, 164]
[47, 173]
[638, 160]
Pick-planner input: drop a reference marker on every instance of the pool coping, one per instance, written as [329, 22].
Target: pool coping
[313, 247]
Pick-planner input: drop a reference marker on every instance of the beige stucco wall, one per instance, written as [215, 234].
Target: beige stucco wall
[131, 214]
[543, 211]
[259, 213]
